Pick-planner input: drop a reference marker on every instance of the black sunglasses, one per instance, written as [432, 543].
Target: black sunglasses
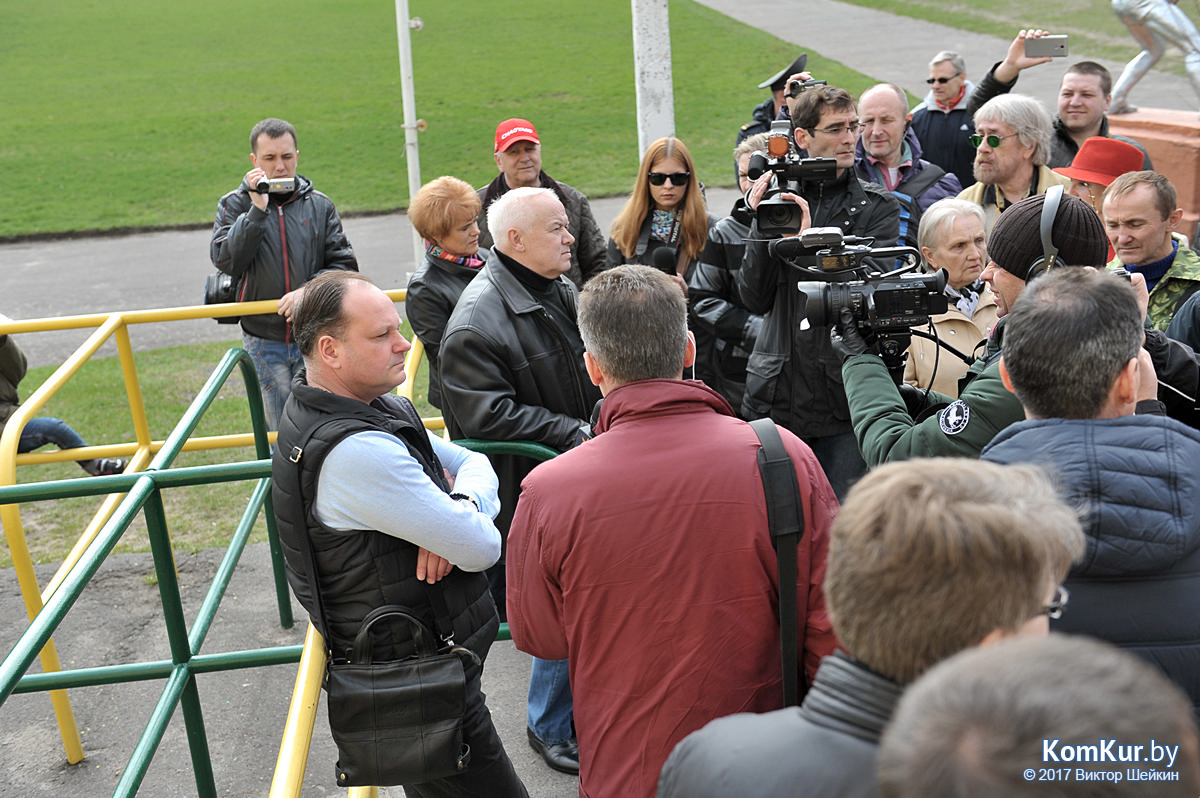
[942, 81]
[676, 178]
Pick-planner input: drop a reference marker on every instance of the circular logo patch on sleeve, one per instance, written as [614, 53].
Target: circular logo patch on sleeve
[955, 417]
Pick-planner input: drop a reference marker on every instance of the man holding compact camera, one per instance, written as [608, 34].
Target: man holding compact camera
[272, 235]
[793, 375]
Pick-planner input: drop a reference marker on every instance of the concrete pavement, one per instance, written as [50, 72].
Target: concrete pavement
[117, 620]
[895, 49]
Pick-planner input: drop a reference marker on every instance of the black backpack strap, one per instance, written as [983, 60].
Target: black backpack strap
[786, 519]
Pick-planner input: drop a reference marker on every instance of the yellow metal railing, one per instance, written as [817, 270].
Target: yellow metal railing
[140, 452]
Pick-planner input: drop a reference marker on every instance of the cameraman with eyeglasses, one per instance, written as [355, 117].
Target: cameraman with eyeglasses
[793, 375]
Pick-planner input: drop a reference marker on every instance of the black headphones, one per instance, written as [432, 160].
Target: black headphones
[1049, 257]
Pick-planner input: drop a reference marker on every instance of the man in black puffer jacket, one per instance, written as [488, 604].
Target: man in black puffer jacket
[358, 479]
[1072, 355]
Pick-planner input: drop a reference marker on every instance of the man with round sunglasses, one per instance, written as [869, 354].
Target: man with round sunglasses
[1012, 143]
[942, 122]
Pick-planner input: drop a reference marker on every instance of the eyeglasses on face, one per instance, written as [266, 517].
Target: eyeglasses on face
[839, 130]
[992, 139]
[1054, 609]
[676, 178]
[942, 81]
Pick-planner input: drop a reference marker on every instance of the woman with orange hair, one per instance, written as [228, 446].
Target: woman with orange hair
[444, 213]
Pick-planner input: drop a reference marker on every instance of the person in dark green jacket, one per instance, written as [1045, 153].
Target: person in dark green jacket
[893, 423]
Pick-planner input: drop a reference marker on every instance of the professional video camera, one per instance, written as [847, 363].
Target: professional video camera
[776, 216]
[886, 305]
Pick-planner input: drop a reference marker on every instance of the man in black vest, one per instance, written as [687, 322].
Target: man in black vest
[357, 478]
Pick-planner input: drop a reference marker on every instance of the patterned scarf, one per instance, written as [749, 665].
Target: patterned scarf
[663, 226]
[470, 261]
[966, 298]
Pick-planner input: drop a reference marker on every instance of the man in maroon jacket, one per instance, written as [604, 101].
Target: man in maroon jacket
[644, 555]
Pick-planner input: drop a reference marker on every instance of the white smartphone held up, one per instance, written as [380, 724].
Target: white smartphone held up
[1053, 45]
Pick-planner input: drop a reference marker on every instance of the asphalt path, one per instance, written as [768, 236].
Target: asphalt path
[118, 617]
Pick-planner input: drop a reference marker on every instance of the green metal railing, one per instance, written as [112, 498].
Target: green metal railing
[145, 496]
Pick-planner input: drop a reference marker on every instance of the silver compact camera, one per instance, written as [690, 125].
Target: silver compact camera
[275, 185]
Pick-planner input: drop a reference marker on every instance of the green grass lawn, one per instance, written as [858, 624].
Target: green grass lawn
[136, 114]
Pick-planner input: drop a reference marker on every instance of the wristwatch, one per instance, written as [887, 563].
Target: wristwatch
[463, 496]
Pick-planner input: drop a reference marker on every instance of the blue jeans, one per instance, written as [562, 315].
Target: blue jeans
[40, 431]
[550, 706]
[276, 363]
[841, 460]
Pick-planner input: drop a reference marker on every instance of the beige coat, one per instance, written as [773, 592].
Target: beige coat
[958, 331]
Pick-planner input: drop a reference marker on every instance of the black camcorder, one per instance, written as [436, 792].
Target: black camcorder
[887, 305]
[777, 216]
[846, 274]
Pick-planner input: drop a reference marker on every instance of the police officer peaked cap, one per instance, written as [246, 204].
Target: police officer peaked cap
[782, 75]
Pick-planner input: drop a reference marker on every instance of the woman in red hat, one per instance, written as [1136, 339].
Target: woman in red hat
[1099, 162]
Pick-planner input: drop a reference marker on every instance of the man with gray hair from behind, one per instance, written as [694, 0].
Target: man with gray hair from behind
[660, 523]
[1012, 142]
[1060, 717]
[1073, 356]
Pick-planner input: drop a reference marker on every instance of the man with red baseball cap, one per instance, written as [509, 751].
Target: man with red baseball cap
[518, 156]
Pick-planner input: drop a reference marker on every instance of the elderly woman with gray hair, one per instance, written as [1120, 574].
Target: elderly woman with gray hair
[952, 238]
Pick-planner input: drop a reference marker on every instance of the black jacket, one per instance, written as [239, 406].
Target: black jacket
[509, 372]
[1136, 480]
[12, 371]
[272, 252]
[432, 294]
[587, 253]
[794, 376]
[725, 331]
[823, 749]
[944, 136]
[360, 571]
